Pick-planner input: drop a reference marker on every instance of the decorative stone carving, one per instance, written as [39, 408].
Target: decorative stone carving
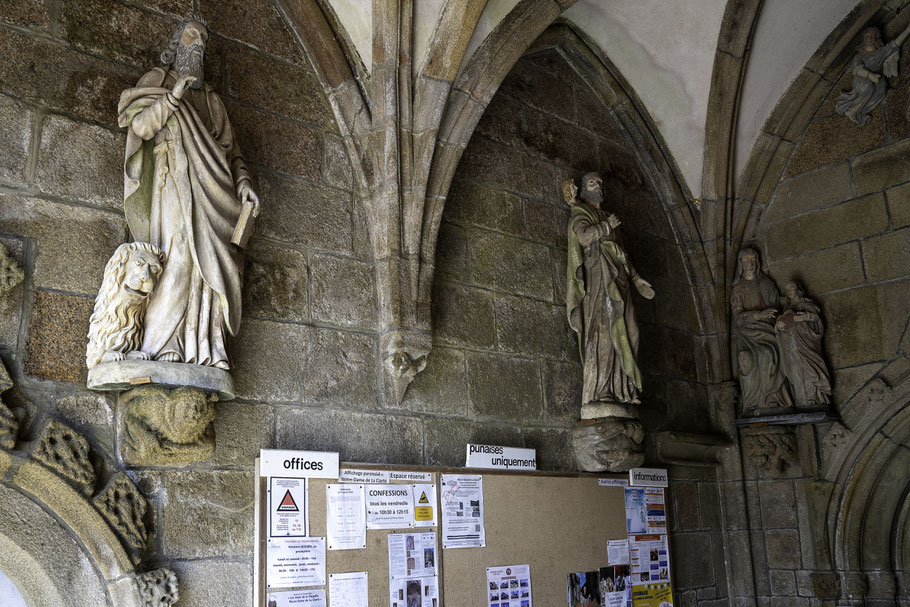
[167, 427]
[116, 326]
[11, 273]
[777, 343]
[66, 452]
[873, 64]
[772, 453]
[158, 588]
[188, 193]
[124, 508]
[608, 445]
[404, 355]
[9, 428]
[600, 310]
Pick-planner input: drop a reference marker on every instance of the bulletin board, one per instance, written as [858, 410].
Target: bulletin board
[556, 523]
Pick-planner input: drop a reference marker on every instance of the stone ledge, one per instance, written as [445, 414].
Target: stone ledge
[118, 375]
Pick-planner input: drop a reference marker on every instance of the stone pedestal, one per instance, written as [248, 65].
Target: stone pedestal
[608, 444]
[126, 374]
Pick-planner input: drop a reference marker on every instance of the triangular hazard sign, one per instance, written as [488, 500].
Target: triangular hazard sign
[423, 498]
[288, 504]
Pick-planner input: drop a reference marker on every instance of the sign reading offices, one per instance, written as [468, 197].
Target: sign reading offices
[298, 464]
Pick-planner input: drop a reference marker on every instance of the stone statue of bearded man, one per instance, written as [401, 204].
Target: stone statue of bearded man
[185, 185]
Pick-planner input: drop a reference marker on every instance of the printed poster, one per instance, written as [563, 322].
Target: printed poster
[345, 519]
[389, 507]
[605, 587]
[296, 598]
[349, 589]
[509, 586]
[424, 499]
[652, 595]
[462, 511]
[412, 555]
[650, 559]
[292, 562]
[288, 507]
[414, 592]
[645, 510]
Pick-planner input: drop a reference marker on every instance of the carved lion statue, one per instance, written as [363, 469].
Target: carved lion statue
[115, 329]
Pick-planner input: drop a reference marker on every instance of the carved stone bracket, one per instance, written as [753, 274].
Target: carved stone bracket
[11, 273]
[608, 445]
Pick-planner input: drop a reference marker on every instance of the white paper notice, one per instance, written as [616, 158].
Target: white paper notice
[349, 589]
[424, 497]
[618, 552]
[350, 475]
[509, 585]
[296, 598]
[292, 562]
[413, 592]
[389, 507]
[412, 555]
[345, 517]
[462, 511]
[288, 507]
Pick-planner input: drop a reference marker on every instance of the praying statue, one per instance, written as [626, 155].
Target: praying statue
[799, 335]
[187, 193]
[874, 62]
[600, 279]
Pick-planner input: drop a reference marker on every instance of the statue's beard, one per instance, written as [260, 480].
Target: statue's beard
[188, 62]
[594, 197]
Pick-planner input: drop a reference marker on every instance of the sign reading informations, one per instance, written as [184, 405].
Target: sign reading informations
[648, 477]
[298, 464]
[501, 458]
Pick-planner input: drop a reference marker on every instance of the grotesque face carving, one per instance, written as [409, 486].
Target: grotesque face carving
[142, 271]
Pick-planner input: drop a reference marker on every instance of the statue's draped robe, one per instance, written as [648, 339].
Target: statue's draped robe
[801, 356]
[599, 308]
[756, 357]
[181, 174]
[866, 95]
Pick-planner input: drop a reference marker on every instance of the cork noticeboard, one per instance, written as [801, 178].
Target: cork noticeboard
[556, 523]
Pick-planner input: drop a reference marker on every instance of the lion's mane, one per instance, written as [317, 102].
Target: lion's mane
[116, 322]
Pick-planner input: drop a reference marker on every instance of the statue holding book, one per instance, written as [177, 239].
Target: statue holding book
[188, 194]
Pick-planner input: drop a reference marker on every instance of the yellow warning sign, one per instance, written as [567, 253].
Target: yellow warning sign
[423, 513]
[423, 498]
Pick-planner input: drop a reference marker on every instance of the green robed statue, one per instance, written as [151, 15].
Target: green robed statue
[599, 301]
[187, 191]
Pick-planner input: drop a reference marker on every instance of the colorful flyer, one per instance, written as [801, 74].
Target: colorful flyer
[424, 499]
[288, 507]
[650, 559]
[414, 592]
[636, 511]
[462, 511]
[509, 586]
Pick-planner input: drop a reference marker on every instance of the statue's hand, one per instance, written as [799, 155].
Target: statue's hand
[644, 287]
[246, 194]
[613, 220]
[874, 77]
[766, 314]
[180, 86]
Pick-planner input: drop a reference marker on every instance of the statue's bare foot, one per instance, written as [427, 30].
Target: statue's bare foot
[138, 355]
[169, 357]
[112, 356]
[222, 364]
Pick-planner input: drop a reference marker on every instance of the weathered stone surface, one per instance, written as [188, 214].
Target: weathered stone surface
[503, 120]
[451, 253]
[469, 203]
[833, 138]
[446, 439]
[213, 582]
[899, 205]
[693, 561]
[9, 426]
[73, 243]
[554, 448]
[261, 80]
[67, 453]
[886, 256]
[280, 144]
[441, 388]
[810, 192]
[343, 291]
[340, 369]
[58, 78]
[881, 168]
[81, 161]
[613, 445]
[534, 327]
[26, 13]
[782, 547]
[158, 587]
[463, 316]
[116, 31]
[275, 283]
[15, 131]
[534, 86]
[831, 269]
[380, 438]
[778, 503]
[56, 337]
[336, 166]
[683, 516]
[123, 507]
[504, 387]
[783, 583]
[283, 346]
[254, 22]
[848, 221]
[300, 212]
[510, 264]
[208, 513]
[558, 261]
[501, 167]
[709, 506]
[241, 430]
[11, 298]
[546, 223]
[562, 391]
[819, 585]
[557, 141]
